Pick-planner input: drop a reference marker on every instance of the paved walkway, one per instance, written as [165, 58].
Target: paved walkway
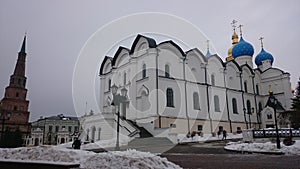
[234, 161]
[213, 156]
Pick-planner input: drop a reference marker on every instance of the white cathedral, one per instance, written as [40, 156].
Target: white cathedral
[171, 91]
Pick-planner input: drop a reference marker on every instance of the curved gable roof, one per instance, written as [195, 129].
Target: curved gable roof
[117, 54]
[218, 58]
[277, 69]
[248, 67]
[151, 42]
[173, 44]
[234, 63]
[106, 59]
[197, 52]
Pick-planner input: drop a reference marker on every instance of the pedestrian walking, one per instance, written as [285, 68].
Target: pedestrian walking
[76, 144]
[224, 135]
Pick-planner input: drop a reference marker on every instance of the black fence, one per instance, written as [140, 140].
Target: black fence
[268, 133]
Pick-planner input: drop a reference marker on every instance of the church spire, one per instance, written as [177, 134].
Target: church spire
[23, 48]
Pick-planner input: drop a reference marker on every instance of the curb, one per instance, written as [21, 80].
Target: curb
[256, 152]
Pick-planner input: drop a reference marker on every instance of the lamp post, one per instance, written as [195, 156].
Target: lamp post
[117, 99]
[244, 109]
[272, 102]
[4, 117]
[250, 113]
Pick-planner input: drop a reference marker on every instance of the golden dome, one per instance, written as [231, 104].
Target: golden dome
[235, 40]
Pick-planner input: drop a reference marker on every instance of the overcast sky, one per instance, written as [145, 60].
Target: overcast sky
[57, 30]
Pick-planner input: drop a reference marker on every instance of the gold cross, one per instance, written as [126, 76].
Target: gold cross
[261, 41]
[233, 24]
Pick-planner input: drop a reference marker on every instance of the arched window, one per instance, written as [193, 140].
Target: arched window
[245, 86]
[87, 134]
[170, 101]
[93, 133]
[196, 101]
[167, 70]
[248, 106]
[234, 106]
[124, 79]
[257, 89]
[260, 107]
[17, 94]
[212, 80]
[217, 103]
[99, 133]
[144, 71]
[109, 84]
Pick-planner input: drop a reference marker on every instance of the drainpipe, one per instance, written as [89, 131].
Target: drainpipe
[156, 80]
[241, 83]
[207, 98]
[255, 101]
[185, 95]
[228, 114]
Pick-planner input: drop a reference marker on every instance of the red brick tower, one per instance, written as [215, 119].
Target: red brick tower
[14, 113]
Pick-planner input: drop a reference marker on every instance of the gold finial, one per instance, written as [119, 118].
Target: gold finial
[233, 24]
[261, 41]
[240, 26]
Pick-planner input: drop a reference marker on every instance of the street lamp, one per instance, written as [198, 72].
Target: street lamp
[273, 102]
[244, 109]
[250, 112]
[117, 99]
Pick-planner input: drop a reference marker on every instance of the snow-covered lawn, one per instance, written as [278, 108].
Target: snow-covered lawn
[264, 147]
[89, 160]
[206, 137]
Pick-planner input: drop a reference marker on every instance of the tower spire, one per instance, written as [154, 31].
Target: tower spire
[208, 54]
[23, 48]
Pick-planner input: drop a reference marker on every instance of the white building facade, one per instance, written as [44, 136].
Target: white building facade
[180, 91]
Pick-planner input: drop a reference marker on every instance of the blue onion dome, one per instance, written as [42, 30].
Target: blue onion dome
[242, 48]
[263, 55]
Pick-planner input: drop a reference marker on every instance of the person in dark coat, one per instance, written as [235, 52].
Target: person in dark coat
[224, 135]
[76, 144]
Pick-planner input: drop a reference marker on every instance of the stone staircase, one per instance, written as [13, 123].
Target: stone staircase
[151, 144]
[142, 131]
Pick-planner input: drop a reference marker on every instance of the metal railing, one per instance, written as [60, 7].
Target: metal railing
[267, 133]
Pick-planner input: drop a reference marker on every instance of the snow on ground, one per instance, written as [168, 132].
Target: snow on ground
[265, 147]
[206, 137]
[89, 160]
[98, 144]
[106, 143]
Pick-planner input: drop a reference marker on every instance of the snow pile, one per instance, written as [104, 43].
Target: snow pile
[128, 159]
[44, 154]
[264, 147]
[206, 137]
[88, 160]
